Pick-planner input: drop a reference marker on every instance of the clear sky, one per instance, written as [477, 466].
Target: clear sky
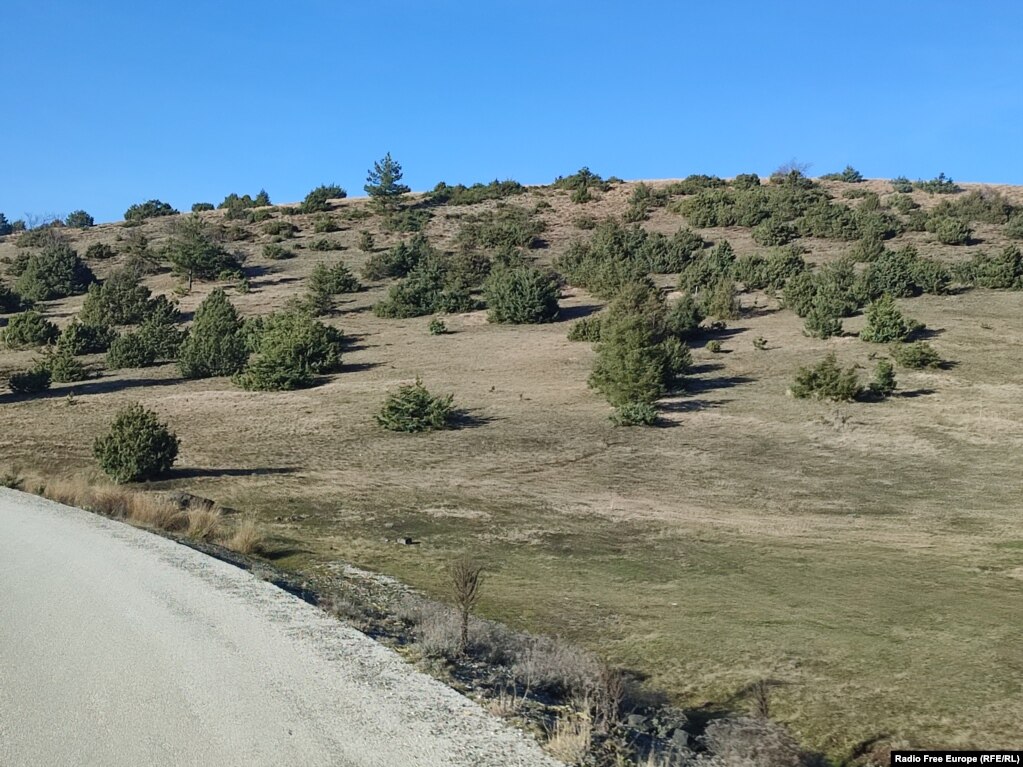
[107, 103]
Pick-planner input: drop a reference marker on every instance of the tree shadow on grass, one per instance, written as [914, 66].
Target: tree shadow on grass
[281, 280]
[85, 388]
[741, 703]
[357, 367]
[760, 311]
[706, 335]
[569, 313]
[194, 472]
[706, 367]
[914, 393]
[469, 419]
[925, 334]
[276, 554]
[701, 385]
[358, 310]
[353, 342]
[682, 404]
[255, 271]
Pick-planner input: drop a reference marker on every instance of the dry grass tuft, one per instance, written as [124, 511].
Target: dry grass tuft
[11, 477]
[551, 665]
[569, 739]
[506, 703]
[247, 538]
[111, 501]
[203, 523]
[661, 759]
[73, 491]
[159, 513]
[753, 742]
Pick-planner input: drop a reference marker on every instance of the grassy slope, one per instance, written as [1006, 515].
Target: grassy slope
[867, 557]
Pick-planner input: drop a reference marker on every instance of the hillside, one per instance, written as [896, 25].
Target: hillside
[867, 557]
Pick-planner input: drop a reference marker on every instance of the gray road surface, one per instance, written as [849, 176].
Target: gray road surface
[118, 647]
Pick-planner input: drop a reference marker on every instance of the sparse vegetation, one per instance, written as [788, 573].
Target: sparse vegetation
[425, 290]
[1001, 271]
[64, 367]
[273, 251]
[196, 253]
[636, 362]
[121, 299]
[466, 585]
[79, 219]
[508, 227]
[137, 447]
[139, 212]
[522, 295]
[131, 350]
[940, 184]
[916, 355]
[55, 271]
[9, 300]
[827, 380]
[950, 231]
[902, 185]
[383, 184]
[246, 539]
[414, 409]
[318, 200]
[31, 381]
[399, 260]
[215, 345]
[885, 323]
[544, 477]
[634, 414]
[477, 193]
[29, 329]
[79, 338]
[290, 349]
[849, 175]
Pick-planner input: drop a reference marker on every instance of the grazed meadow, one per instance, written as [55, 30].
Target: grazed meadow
[865, 557]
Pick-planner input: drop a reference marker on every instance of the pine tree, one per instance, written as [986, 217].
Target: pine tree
[630, 364]
[195, 252]
[885, 323]
[884, 382]
[382, 184]
[138, 446]
[215, 346]
[413, 408]
[521, 296]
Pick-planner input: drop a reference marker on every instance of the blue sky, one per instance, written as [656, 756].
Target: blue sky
[110, 103]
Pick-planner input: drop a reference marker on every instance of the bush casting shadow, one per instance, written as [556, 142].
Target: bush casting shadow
[200, 473]
[80, 389]
[569, 313]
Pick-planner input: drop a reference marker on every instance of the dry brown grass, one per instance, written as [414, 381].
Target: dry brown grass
[506, 704]
[203, 523]
[569, 738]
[71, 491]
[111, 500]
[247, 538]
[159, 513]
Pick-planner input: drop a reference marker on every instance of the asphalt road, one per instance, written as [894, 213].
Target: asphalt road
[118, 647]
